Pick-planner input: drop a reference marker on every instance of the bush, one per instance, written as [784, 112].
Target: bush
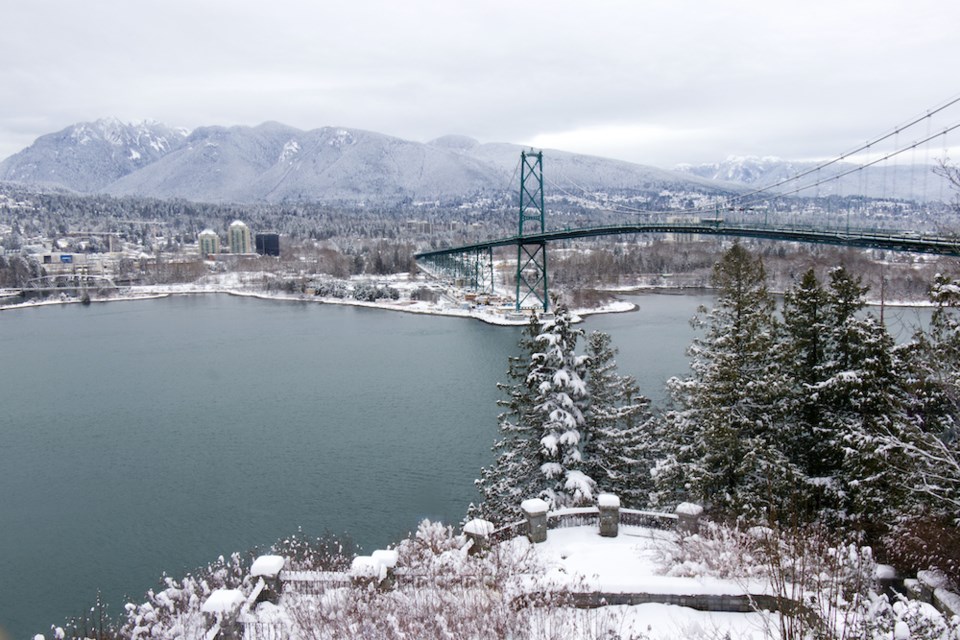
[333, 289]
[327, 553]
[372, 293]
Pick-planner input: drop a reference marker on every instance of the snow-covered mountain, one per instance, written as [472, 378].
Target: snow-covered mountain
[273, 162]
[887, 180]
[88, 156]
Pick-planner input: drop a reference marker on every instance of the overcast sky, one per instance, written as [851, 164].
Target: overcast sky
[649, 81]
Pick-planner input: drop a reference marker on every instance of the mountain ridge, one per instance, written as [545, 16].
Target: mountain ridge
[273, 162]
[894, 181]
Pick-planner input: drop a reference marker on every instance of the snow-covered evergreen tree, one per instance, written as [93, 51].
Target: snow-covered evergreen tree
[802, 356]
[861, 406]
[941, 428]
[934, 358]
[930, 442]
[621, 450]
[557, 372]
[514, 474]
[540, 454]
[723, 448]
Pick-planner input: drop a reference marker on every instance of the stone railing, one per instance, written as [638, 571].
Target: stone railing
[929, 586]
[607, 515]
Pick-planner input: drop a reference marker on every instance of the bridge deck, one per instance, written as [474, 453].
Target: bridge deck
[865, 238]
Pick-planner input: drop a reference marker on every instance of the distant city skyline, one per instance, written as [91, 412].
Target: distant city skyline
[656, 83]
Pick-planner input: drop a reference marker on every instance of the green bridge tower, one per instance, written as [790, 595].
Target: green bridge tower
[531, 256]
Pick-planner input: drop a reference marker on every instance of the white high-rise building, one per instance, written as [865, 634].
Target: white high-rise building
[209, 243]
[239, 238]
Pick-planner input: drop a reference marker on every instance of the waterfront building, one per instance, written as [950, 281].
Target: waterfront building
[209, 243]
[239, 238]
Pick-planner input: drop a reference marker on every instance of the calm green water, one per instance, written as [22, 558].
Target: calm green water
[145, 437]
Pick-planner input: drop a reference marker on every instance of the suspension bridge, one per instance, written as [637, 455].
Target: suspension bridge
[473, 264]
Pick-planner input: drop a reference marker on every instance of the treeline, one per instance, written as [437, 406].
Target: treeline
[794, 413]
[33, 213]
[810, 412]
[664, 262]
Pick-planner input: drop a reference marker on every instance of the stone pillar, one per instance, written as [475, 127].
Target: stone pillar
[535, 510]
[688, 518]
[478, 532]
[268, 568]
[388, 560]
[222, 606]
[886, 576]
[609, 506]
[366, 571]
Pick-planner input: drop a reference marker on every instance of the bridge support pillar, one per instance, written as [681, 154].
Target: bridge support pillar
[531, 257]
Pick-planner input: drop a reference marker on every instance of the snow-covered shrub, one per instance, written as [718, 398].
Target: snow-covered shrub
[425, 294]
[372, 293]
[923, 540]
[332, 289]
[94, 623]
[172, 611]
[440, 592]
[824, 586]
[303, 553]
[717, 551]
[833, 583]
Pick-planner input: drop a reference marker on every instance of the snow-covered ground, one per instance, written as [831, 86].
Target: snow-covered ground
[572, 560]
[633, 563]
[523, 590]
[630, 563]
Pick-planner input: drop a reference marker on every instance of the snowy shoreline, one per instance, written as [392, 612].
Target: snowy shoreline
[496, 317]
[422, 308]
[671, 290]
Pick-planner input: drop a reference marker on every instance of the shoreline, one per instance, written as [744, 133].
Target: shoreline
[679, 291]
[419, 308]
[494, 317]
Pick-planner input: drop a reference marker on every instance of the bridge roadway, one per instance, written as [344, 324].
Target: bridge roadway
[864, 238]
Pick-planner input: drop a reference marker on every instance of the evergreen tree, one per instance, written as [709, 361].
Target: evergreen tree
[861, 406]
[802, 353]
[723, 449]
[924, 533]
[514, 474]
[931, 443]
[558, 374]
[544, 431]
[621, 448]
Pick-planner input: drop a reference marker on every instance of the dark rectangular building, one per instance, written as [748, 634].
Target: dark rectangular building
[268, 244]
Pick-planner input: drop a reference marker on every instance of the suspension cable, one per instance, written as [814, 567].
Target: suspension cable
[863, 147]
